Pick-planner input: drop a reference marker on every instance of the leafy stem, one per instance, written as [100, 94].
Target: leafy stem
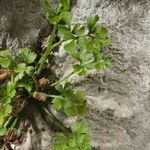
[84, 44]
[15, 122]
[58, 123]
[64, 78]
[57, 44]
[48, 50]
[7, 122]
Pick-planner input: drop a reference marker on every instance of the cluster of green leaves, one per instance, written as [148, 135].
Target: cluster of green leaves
[72, 102]
[84, 44]
[21, 71]
[79, 139]
[57, 12]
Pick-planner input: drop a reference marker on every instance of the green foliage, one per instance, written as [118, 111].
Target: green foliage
[25, 56]
[57, 13]
[5, 58]
[26, 83]
[79, 29]
[4, 112]
[84, 43]
[65, 32]
[72, 102]
[91, 22]
[3, 131]
[19, 71]
[79, 139]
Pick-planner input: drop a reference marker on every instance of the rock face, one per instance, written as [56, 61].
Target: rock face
[119, 113]
[21, 23]
[119, 99]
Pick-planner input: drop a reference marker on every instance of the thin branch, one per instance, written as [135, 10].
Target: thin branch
[58, 123]
[48, 50]
[63, 78]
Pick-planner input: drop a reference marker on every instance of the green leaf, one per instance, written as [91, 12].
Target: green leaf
[68, 92]
[27, 86]
[65, 32]
[67, 103]
[101, 32]
[80, 96]
[68, 108]
[72, 143]
[5, 53]
[76, 55]
[65, 4]
[56, 9]
[82, 72]
[73, 103]
[19, 77]
[60, 141]
[8, 99]
[26, 83]
[90, 66]
[7, 110]
[3, 131]
[82, 41]
[79, 139]
[81, 110]
[1, 118]
[91, 21]
[20, 68]
[69, 111]
[77, 67]
[26, 56]
[66, 16]
[4, 112]
[105, 42]
[53, 19]
[71, 46]
[11, 85]
[59, 88]
[12, 93]
[103, 63]
[47, 6]
[79, 29]
[57, 102]
[29, 70]
[79, 127]
[80, 103]
[67, 86]
[4, 63]
[90, 45]
[5, 58]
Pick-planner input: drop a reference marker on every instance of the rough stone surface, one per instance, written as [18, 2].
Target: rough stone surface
[118, 98]
[21, 23]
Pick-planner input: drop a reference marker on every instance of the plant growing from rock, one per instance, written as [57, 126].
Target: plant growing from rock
[20, 75]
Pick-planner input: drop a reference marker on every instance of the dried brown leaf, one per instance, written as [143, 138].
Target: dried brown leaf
[4, 74]
[40, 96]
[43, 82]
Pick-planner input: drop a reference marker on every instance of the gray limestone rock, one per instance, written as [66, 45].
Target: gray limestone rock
[118, 98]
[21, 23]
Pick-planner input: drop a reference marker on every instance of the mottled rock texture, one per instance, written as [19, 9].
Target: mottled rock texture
[21, 23]
[119, 98]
